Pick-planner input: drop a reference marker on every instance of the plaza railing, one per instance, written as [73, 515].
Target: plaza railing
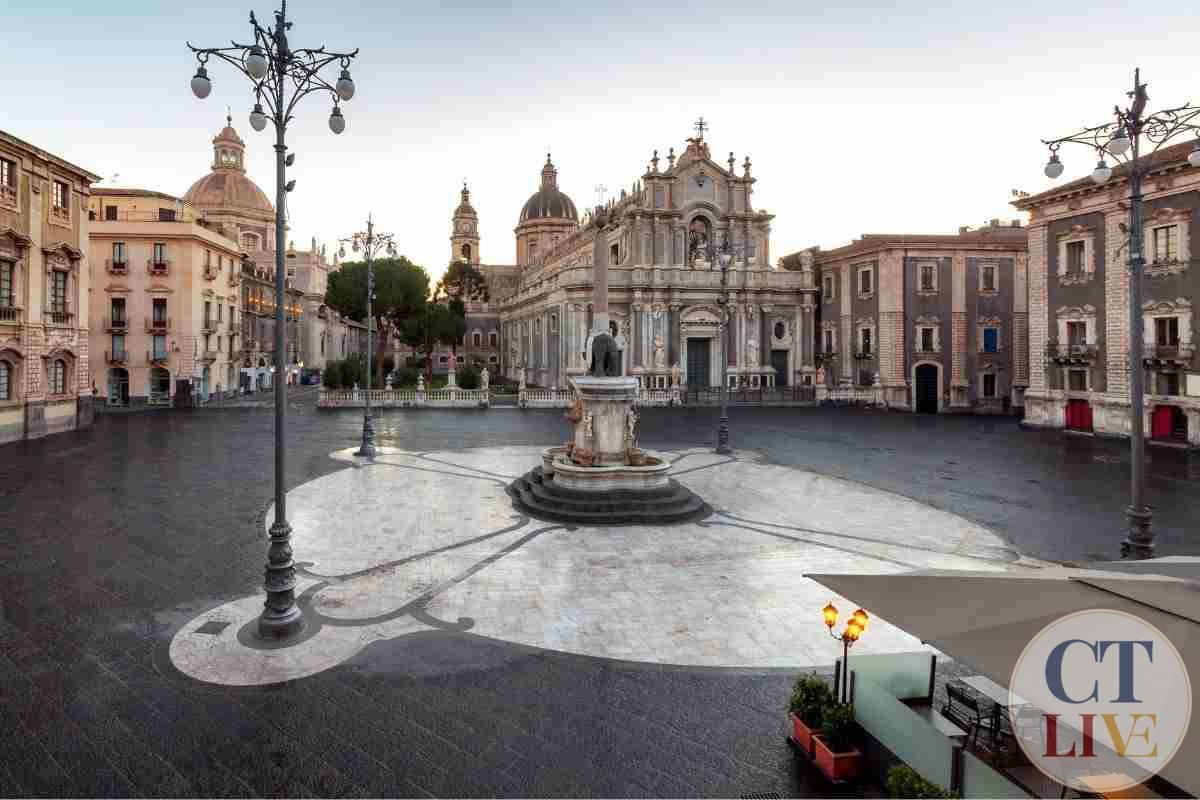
[539, 397]
[403, 398]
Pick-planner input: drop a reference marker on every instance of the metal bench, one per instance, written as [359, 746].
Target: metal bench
[963, 710]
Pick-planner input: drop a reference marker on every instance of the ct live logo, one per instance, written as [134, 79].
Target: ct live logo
[1100, 700]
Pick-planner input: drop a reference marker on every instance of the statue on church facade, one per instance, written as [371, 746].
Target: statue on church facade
[484, 379]
[752, 350]
[660, 353]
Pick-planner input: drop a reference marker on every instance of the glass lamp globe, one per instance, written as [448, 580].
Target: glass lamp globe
[258, 120]
[1194, 156]
[201, 85]
[1101, 173]
[1054, 167]
[354, 245]
[256, 63]
[391, 249]
[342, 251]
[345, 85]
[1119, 143]
[337, 123]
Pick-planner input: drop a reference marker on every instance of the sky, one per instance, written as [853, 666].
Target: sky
[858, 117]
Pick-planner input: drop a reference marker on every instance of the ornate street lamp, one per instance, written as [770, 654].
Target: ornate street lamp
[280, 77]
[1115, 139]
[725, 257]
[371, 243]
[855, 627]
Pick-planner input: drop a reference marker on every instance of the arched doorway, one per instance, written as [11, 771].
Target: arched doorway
[118, 387]
[160, 386]
[926, 388]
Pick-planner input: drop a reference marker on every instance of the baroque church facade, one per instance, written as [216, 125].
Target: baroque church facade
[666, 290]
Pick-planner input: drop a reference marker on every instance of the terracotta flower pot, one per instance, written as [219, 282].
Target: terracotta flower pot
[836, 766]
[802, 735]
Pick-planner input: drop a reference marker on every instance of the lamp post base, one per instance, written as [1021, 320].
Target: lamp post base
[1140, 543]
[281, 617]
[723, 446]
[367, 449]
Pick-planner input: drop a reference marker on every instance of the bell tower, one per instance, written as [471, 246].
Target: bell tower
[228, 148]
[464, 232]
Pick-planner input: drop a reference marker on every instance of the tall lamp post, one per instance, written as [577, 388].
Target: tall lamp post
[855, 626]
[370, 243]
[724, 256]
[280, 76]
[1121, 140]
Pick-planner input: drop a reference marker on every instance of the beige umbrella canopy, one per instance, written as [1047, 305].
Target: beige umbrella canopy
[986, 619]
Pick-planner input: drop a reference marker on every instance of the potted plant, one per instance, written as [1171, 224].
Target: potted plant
[810, 696]
[903, 781]
[833, 747]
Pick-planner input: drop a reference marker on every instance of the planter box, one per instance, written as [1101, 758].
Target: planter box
[837, 767]
[802, 735]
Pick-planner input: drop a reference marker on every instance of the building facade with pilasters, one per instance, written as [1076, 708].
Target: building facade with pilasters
[938, 322]
[45, 281]
[665, 290]
[1079, 302]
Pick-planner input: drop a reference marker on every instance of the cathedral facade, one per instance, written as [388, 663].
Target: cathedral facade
[663, 237]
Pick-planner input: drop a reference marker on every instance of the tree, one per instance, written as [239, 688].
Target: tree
[436, 324]
[401, 289]
[464, 281]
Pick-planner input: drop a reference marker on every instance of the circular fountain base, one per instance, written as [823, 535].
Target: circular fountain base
[606, 495]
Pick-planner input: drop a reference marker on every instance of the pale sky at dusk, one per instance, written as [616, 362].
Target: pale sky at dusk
[858, 117]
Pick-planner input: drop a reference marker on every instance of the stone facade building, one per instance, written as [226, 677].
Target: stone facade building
[665, 292]
[939, 320]
[165, 301]
[45, 280]
[1079, 302]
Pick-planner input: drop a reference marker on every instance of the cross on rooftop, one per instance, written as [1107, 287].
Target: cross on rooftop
[701, 126]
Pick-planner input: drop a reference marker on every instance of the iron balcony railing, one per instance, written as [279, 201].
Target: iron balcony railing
[116, 324]
[60, 317]
[157, 267]
[1072, 352]
[10, 314]
[208, 326]
[116, 356]
[158, 324]
[156, 356]
[1170, 352]
[116, 267]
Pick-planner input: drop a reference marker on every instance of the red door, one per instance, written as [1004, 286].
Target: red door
[1079, 415]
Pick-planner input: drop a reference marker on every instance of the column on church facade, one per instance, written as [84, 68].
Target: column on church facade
[674, 346]
[731, 334]
[637, 334]
[764, 335]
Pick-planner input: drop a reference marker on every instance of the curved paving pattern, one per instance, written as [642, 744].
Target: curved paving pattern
[429, 541]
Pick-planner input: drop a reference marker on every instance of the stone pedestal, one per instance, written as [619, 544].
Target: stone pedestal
[604, 427]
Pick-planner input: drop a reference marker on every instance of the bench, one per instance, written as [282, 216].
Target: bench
[963, 710]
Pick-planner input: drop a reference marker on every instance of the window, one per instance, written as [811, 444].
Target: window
[864, 338]
[207, 258]
[926, 340]
[1076, 333]
[493, 339]
[828, 341]
[220, 312]
[443, 359]
[991, 340]
[159, 310]
[118, 253]
[1166, 244]
[207, 314]
[928, 278]
[1166, 331]
[166, 215]
[8, 173]
[988, 279]
[249, 241]
[864, 281]
[160, 253]
[1075, 257]
[493, 359]
[58, 292]
[5, 381]
[614, 254]
[1077, 380]
[62, 196]
[118, 345]
[989, 385]
[554, 323]
[477, 339]
[57, 379]
[1168, 383]
[110, 213]
[828, 281]
[159, 345]
[532, 250]
[6, 285]
[118, 310]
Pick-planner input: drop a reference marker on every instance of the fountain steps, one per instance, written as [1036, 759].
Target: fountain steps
[542, 499]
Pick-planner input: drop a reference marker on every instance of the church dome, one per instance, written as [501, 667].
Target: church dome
[549, 202]
[227, 187]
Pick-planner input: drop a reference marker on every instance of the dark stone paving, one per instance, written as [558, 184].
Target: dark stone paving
[112, 538]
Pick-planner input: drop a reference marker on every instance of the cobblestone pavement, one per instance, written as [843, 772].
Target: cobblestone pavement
[112, 538]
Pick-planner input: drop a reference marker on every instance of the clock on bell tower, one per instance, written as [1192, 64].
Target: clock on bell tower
[464, 236]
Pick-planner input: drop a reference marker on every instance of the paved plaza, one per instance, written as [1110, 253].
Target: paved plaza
[458, 648]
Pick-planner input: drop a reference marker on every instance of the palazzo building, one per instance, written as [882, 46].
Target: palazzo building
[1079, 315]
[940, 321]
[165, 302]
[665, 291]
[45, 280]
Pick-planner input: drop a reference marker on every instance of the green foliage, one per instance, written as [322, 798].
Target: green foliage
[468, 377]
[331, 376]
[837, 728]
[903, 781]
[463, 280]
[406, 377]
[810, 696]
[389, 364]
[437, 324]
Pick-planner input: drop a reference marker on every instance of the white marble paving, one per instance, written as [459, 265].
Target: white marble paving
[435, 533]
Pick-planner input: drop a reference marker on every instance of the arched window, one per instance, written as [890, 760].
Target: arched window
[58, 377]
[466, 252]
[477, 339]
[493, 339]
[249, 242]
[6, 376]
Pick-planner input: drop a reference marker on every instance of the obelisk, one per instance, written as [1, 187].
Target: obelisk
[600, 274]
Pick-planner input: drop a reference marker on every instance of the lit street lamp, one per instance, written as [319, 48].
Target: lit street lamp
[1115, 139]
[280, 76]
[855, 626]
[371, 243]
[725, 257]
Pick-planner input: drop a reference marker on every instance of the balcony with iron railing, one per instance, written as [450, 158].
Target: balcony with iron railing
[156, 357]
[1075, 353]
[158, 267]
[1178, 353]
[208, 326]
[211, 271]
[116, 357]
[10, 315]
[208, 355]
[116, 267]
[116, 324]
[60, 318]
[864, 355]
[158, 324]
